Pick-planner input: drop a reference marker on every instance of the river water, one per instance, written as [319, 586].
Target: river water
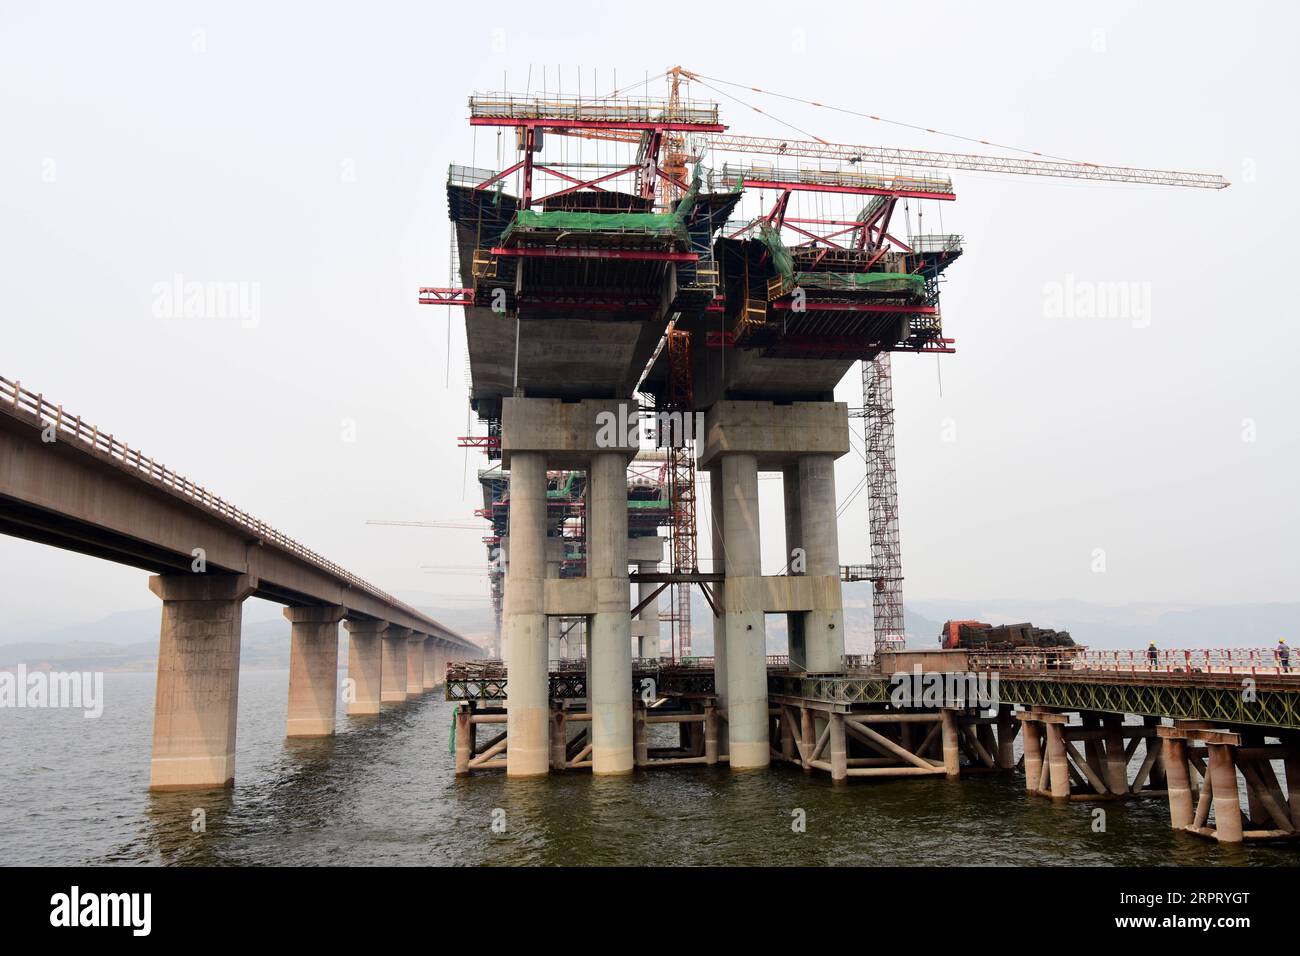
[382, 791]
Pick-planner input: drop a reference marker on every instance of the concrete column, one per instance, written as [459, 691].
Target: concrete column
[951, 749]
[1033, 754]
[559, 739]
[747, 729]
[823, 629]
[1058, 768]
[1180, 786]
[392, 679]
[649, 616]
[610, 690]
[787, 735]
[313, 670]
[640, 736]
[432, 660]
[527, 705]
[710, 734]
[794, 627]
[719, 589]
[364, 666]
[552, 623]
[196, 703]
[415, 664]
[1227, 804]
[568, 639]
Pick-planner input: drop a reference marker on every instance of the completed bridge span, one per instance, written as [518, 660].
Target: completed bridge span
[66, 483]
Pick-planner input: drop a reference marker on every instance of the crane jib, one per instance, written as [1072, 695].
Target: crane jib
[846, 153]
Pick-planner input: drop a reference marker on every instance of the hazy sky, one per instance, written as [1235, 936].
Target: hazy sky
[303, 150]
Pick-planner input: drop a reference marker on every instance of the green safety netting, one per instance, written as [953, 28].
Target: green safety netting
[781, 257]
[561, 220]
[862, 281]
[845, 281]
[648, 223]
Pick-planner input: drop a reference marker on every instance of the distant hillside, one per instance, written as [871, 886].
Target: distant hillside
[129, 640]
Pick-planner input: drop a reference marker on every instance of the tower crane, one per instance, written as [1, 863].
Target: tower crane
[670, 136]
[877, 412]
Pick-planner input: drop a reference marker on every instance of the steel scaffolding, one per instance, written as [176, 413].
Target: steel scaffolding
[882, 487]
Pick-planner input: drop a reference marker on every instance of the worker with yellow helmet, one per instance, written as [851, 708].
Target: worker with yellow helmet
[1283, 654]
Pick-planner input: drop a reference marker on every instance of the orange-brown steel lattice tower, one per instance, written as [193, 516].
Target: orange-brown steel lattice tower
[882, 486]
[681, 485]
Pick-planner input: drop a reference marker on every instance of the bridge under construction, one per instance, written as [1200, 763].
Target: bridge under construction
[628, 260]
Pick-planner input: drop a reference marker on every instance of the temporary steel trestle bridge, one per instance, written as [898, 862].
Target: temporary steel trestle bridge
[1170, 734]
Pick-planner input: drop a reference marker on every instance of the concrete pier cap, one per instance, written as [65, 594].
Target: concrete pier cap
[774, 434]
[568, 433]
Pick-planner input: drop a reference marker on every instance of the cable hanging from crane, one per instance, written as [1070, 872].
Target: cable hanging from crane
[891, 122]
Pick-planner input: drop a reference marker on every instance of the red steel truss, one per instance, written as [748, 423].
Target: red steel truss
[434, 296]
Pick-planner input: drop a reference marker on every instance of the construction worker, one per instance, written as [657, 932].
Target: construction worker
[1153, 655]
[1283, 655]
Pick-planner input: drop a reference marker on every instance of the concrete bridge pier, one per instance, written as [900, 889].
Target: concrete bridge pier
[196, 703]
[415, 665]
[392, 680]
[802, 441]
[434, 668]
[716, 513]
[648, 620]
[365, 667]
[553, 624]
[646, 553]
[313, 670]
[527, 710]
[746, 631]
[797, 645]
[822, 628]
[610, 691]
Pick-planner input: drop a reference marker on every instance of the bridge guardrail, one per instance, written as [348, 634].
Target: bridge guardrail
[47, 413]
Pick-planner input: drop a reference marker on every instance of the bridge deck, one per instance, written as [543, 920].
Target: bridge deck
[67, 483]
